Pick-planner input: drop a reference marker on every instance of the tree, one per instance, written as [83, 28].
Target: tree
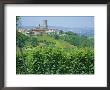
[18, 21]
[61, 32]
[20, 42]
[34, 41]
[56, 36]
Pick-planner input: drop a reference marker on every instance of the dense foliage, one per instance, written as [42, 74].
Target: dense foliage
[77, 40]
[67, 53]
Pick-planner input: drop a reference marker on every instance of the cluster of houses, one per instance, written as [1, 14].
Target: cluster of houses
[40, 29]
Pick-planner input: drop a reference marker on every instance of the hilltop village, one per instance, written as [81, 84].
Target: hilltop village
[39, 30]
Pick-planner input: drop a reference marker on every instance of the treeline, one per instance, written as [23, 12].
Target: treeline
[79, 40]
[24, 41]
[75, 39]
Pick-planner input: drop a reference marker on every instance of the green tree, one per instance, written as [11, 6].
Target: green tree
[20, 42]
[18, 21]
[61, 32]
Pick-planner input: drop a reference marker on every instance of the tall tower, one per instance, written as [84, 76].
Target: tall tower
[45, 24]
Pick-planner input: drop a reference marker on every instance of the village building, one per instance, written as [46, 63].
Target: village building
[40, 29]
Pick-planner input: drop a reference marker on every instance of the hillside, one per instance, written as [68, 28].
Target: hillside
[67, 53]
[51, 41]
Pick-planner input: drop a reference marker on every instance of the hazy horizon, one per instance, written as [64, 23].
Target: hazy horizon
[59, 21]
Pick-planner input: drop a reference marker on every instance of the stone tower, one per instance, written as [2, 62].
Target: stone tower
[45, 24]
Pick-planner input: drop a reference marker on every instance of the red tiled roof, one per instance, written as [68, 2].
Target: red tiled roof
[38, 30]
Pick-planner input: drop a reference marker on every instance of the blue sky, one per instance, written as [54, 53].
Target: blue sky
[64, 21]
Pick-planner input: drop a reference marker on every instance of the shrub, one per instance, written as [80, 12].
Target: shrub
[43, 60]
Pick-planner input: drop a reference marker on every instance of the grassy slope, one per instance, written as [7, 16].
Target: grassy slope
[58, 43]
[72, 61]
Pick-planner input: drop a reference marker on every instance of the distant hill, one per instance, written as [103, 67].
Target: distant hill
[80, 31]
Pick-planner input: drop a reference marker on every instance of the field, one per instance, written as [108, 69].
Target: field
[66, 53]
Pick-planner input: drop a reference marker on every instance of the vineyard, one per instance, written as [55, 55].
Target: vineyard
[68, 53]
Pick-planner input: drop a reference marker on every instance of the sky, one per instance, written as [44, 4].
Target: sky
[63, 21]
